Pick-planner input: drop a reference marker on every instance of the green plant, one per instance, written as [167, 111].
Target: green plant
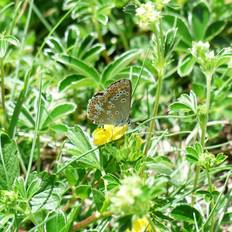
[169, 169]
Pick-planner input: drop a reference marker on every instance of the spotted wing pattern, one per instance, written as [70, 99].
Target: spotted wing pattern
[112, 106]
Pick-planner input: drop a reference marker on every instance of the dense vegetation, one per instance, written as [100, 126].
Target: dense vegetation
[169, 169]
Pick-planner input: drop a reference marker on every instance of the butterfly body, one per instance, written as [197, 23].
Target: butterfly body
[111, 106]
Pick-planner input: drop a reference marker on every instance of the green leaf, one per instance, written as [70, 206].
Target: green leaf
[177, 106]
[18, 106]
[20, 188]
[161, 165]
[33, 187]
[71, 35]
[170, 38]
[83, 191]
[103, 11]
[119, 64]
[220, 158]
[192, 159]
[85, 45]
[98, 198]
[112, 181]
[72, 175]
[105, 7]
[27, 118]
[135, 72]
[224, 57]
[49, 199]
[71, 218]
[129, 8]
[69, 80]
[5, 41]
[199, 149]
[214, 29]
[227, 219]
[93, 52]
[58, 112]
[186, 213]
[186, 65]
[55, 45]
[200, 20]
[81, 145]
[192, 155]
[174, 20]
[202, 192]
[59, 128]
[80, 9]
[185, 103]
[82, 68]
[56, 222]
[9, 164]
[12, 40]
[103, 19]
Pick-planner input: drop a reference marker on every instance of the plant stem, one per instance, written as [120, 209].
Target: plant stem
[154, 114]
[36, 132]
[75, 159]
[209, 180]
[210, 188]
[197, 172]
[208, 96]
[5, 173]
[20, 101]
[218, 200]
[160, 67]
[203, 128]
[3, 93]
[87, 221]
[51, 32]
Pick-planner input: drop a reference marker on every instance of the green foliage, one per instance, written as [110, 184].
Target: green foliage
[57, 222]
[57, 112]
[9, 165]
[81, 67]
[170, 170]
[118, 65]
[185, 103]
[197, 155]
[80, 145]
[5, 41]
[186, 213]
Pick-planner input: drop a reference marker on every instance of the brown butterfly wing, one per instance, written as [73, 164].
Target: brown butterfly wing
[111, 106]
[96, 109]
[118, 96]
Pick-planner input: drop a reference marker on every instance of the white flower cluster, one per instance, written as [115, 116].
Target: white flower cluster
[124, 201]
[205, 57]
[199, 48]
[147, 14]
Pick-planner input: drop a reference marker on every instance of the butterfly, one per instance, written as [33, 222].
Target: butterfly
[111, 106]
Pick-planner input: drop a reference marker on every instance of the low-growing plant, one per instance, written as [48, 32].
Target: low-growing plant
[115, 115]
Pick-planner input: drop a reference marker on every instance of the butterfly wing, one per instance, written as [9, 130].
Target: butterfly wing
[112, 106]
[118, 96]
[97, 109]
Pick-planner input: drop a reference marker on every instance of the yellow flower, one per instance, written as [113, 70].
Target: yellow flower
[140, 225]
[108, 133]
